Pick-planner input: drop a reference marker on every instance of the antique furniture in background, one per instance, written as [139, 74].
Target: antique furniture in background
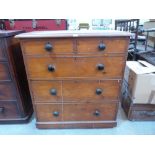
[15, 100]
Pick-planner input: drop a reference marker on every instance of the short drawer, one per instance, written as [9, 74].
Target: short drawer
[4, 72]
[8, 110]
[47, 46]
[102, 45]
[48, 112]
[47, 91]
[90, 90]
[90, 111]
[48, 68]
[7, 91]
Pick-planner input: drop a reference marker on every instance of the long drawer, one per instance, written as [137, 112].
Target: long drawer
[75, 90]
[69, 45]
[76, 112]
[8, 110]
[7, 91]
[62, 67]
[4, 72]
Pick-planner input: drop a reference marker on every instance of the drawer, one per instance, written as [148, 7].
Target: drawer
[75, 90]
[48, 46]
[4, 72]
[47, 91]
[76, 112]
[90, 90]
[46, 112]
[8, 110]
[90, 112]
[2, 49]
[48, 68]
[7, 91]
[102, 45]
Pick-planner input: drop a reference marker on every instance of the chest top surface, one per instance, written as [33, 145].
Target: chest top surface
[78, 33]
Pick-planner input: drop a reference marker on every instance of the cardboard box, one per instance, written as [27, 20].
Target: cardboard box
[140, 76]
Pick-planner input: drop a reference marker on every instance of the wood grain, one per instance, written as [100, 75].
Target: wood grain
[74, 67]
[10, 110]
[4, 72]
[7, 91]
[36, 47]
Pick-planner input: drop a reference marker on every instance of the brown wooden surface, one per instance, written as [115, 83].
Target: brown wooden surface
[36, 47]
[10, 110]
[41, 91]
[80, 45]
[85, 90]
[75, 78]
[76, 112]
[4, 72]
[70, 125]
[12, 69]
[44, 112]
[85, 112]
[74, 34]
[75, 90]
[74, 67]
[7, 91]
[113, 45]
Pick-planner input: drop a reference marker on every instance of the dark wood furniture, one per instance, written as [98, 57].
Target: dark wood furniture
[15, 100]
[136, 111]
[75, 76]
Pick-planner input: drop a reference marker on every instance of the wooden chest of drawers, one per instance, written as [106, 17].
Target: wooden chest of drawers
[75, 76]
[15, 99]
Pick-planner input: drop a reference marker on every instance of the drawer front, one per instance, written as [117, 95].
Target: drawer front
[48, 46]
[102, 45]
[8, 110]
[47, 68]
[75, 90]
[2, 49]
[7, 91]
[4, 72]
[46, 112]
[76, 112]
[89, 112]
[89, 90]
[103, 67]
[47, 91]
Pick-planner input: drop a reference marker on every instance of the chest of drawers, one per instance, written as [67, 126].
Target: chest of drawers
[75, 76]
[15, 99]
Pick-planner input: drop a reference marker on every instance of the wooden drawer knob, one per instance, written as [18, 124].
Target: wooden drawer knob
[51, 68]
[99, 91]
[55, 113]
[53, 91]
[101, 46]
[1, 109]
[97, 113]
[100, 67]
[48, 47]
